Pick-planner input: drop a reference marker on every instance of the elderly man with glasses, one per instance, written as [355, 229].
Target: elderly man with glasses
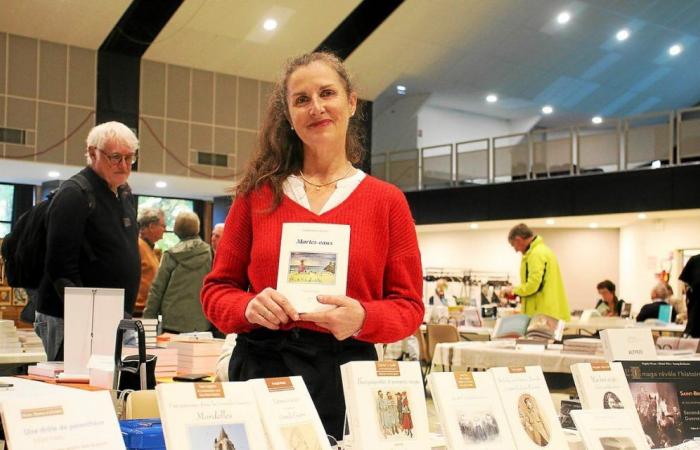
[92, 238]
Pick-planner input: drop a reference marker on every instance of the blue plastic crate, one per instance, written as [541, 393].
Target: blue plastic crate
[142, 434]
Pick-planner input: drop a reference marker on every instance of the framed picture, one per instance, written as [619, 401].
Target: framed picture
[5, 296]
[19, 297]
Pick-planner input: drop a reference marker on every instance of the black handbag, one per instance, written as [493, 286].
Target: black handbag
[134, 372]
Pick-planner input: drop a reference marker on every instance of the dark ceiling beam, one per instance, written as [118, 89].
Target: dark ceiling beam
[119, 59]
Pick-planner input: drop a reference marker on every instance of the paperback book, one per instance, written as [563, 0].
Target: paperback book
[540, 326]
[602, 385]
[609, 429]
[628, 344]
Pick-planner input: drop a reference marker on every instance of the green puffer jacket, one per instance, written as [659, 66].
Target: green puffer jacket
[542, 288]
[175, 290]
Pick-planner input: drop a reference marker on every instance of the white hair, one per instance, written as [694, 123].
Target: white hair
[218, 226]
[111, 132]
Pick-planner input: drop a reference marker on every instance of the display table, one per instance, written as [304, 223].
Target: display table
[482, 355]
[601, 323]
[15, 363]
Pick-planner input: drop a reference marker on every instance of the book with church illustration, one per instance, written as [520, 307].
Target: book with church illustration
[313, 261]
[210, 415]
[385, 404]
[528, 407]
[539, 326]
[469, 416]
[667, 399]
[288, 414]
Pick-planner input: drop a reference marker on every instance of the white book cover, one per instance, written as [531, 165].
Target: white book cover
[528, 406]
[86, 421]
[313, 261]
[628, 344]
[386, 405]
[469, 417]
[602, 385]
[609, 429]
[289, 415]
[200, 416]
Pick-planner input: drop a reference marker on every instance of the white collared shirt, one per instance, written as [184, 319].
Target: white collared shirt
[293, 187]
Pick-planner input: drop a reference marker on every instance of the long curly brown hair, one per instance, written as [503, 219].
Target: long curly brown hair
[279, 151]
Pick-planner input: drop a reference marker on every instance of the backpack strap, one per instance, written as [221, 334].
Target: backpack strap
[86, 187]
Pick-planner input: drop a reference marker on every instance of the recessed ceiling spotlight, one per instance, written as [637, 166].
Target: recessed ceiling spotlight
[641, 216]
[593, 225]
[675, 49]
[473, 226]
[597, 120]
[401, 89]
[161, 184]
[546, 109]
[270, 24]
[622, 35]
[563, 17]
[492, 98]
[54, 174]
[549, 221]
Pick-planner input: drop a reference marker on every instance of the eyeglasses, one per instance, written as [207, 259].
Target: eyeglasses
[116, 158]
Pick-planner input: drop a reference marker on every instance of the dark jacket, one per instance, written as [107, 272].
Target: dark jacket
[691, 276]
[651, 311]
[90, 248]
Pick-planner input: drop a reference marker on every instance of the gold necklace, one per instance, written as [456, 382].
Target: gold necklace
[319, 186]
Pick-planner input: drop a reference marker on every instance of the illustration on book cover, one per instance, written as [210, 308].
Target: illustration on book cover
[394, 414]
[219, 437]
[312, 268]
[532, 420]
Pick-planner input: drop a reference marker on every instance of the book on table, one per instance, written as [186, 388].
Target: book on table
[288, 414]
[385, 404]
[313, 261]
[528, 407]
[539, 326]
[628, 344]
[666, 398]
[602, 385]
[469, 417]
[609, 429]
[211, 414]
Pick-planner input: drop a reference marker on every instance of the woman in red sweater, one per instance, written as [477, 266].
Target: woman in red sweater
[303, 171]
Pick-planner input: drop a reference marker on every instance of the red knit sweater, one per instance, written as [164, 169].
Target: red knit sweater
[384, 268]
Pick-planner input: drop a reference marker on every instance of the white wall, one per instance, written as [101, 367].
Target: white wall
[395, 127]
[585, 256]
[646, 248]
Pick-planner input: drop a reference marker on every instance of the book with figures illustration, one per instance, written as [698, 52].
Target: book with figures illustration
[288, 414]
[313, 261]
[385, 404]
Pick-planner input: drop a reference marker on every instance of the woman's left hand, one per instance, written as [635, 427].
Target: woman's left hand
[343, 321]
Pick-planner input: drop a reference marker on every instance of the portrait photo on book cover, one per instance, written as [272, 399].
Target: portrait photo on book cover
[312, 268]
[659, 411]
[617, 443]
[5, 296]
[230, 436]
[532, 420]
[301, 436]
[612, 401]
[394, 414]
[478, 427]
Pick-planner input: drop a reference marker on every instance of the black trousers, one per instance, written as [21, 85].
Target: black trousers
[316, 357]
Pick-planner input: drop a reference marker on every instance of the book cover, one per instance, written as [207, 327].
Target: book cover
[602, 385]
[386, 405]
[565, 409]
[667, 399]
[313, 261]
[288, 414]
[202, 416]
[528, 407]
[514, 326]
[469, 417]
[609, 429]
[628, 344]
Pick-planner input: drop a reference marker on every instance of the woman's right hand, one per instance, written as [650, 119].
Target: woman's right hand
[270, 309]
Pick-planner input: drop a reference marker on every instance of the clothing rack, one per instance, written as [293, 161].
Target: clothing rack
[465, 277]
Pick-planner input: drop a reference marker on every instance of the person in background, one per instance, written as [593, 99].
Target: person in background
[303, 171]
[92, 246]
[151, 228]
[659, 296]
[678, 304]
[216, 234]
[174, 293]
[608, 304]
[440, 298]
[541, 288]
[690, 276]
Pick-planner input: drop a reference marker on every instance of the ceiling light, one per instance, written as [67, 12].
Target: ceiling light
[550, 221]
[675, 49]
[597, 120]
[563, 17]
[473, 226]
[593, 225]
[161, 184]
[270, 24]
[546, 109]
[401, 89]
[492, 98]
[622, 35]
[54, 174]
[641, 216]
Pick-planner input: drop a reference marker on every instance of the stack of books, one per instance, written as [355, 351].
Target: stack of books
[150, 327]
[31, 343]
[49, 369]
[540, 326]
[166, 362]
[583, 345]
[197, 356]
[9, 341]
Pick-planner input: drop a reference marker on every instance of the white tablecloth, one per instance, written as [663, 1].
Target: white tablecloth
[21, 358]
